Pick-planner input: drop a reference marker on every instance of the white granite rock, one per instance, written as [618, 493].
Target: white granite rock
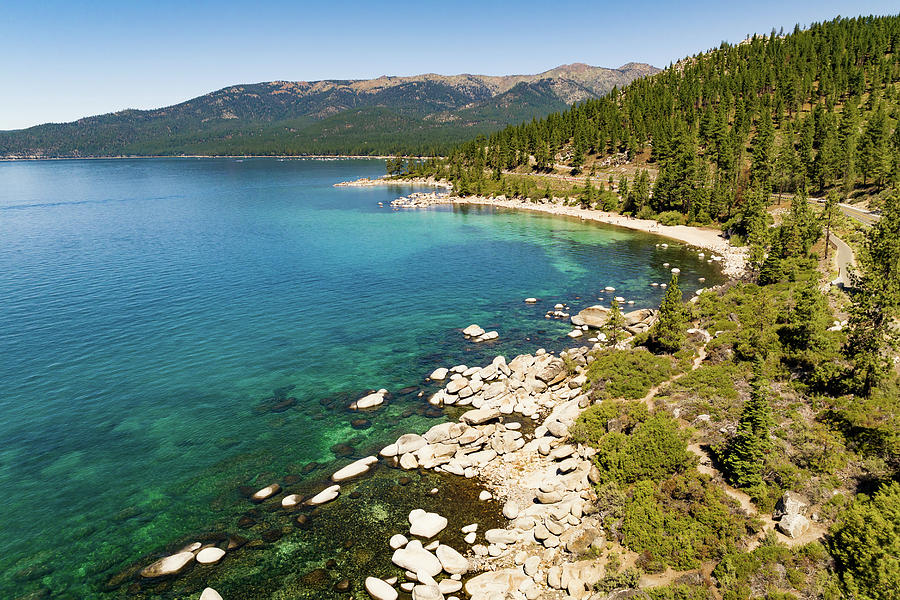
[426, 524]
[210, 555]
[354, 469]
[169, 565]
[380, 589]
[326, 495]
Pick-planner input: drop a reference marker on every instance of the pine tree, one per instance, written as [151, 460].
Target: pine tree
[762, 167]
[876, 304]
[669, 331]
[745, 454]
[614, 327]
[807, 322]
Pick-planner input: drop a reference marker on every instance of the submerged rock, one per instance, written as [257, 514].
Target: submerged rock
[371, 401]
[326, 495]
[169, 565]
[265, 493]
[354, 469]
[208, 556]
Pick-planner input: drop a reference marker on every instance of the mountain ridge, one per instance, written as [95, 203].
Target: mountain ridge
[282, 117]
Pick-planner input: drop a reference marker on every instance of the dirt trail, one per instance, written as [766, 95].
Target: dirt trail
[705, 465]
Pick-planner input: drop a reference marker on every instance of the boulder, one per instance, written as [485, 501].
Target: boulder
[415, 558]
[397, 541]
[511, 509]
[290, 501]
[408, 461]
[452, 561]
[793, 526]
[578, 540]
[592, 316]
[439, 374]
[208, 556]
[429, 591]
[480, 415]
[265, 493]
[410, 442]
[449, 586]
[532, 563]
[552, 372]
[497, 583]
[500, 536]
[370, 401]
[379, 589]
[326, 495]
[473, 331]
[642, 315]
[456, 385]
[790, 503]
[530, 300]
[169, 565]
[426, 524]
[210, 594]
[354, 469]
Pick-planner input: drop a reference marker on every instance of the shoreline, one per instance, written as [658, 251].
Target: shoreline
[734, 260]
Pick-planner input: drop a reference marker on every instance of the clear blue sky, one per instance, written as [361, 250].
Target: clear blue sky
[64, 59]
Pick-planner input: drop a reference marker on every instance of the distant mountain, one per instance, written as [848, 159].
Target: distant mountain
[414, 114]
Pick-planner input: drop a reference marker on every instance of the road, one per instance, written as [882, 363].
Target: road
[863, 216]
[845, 260]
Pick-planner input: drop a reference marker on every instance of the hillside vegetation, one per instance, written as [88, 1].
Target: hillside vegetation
[782, 383]
[812, 111]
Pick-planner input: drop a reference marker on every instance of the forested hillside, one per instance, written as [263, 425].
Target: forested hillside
[421, 114]
[813, 110]
[791, 385]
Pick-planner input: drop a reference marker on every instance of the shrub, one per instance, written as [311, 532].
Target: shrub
[865, 543]
[655, 449]
[594, 423]
[683, 521]
[670, 217]
[627, 374]
[678, 591]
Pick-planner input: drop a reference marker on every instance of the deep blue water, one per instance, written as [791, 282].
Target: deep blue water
[152, 313]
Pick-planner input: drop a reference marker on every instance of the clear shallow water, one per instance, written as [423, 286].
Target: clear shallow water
[154, 312]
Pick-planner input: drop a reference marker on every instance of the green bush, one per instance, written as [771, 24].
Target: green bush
[592, 424]
[655, 449]
[865, 543]
[678, 591]
[710, 382]
[670, 217]
[771, 566]
[683, 521]
[627, 374]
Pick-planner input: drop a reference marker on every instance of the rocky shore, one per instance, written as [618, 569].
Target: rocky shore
[511, 438]
[387, 180]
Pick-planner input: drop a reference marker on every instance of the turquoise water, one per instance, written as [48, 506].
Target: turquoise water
[156, 314]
